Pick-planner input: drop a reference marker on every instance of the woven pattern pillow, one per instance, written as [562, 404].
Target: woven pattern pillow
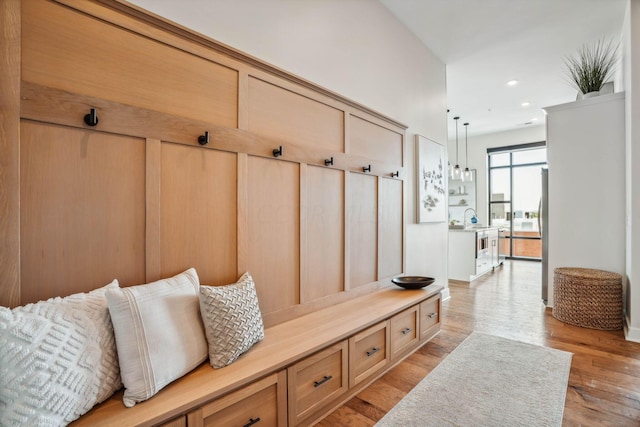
[158, 332]
[232, 319]
[57, 359]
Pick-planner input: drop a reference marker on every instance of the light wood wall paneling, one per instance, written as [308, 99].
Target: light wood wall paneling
[198, 213]
[390, 226]
[374, 141]
[274, 232]
[82, 210]
[152, 222]
[286, 116]
[243, 218]
[304, 233]
[57, 106]
[363, 229]
[163, 78]
[243, 100]
[322, 239]
[10, 153]
[140, 21]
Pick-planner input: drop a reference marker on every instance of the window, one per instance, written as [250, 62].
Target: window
[515, 191]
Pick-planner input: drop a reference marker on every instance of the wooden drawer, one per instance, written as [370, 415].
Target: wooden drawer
[262, 403]
[176, 422]
[368, 352]
[429, 317]
[404, 331]
[317, 380]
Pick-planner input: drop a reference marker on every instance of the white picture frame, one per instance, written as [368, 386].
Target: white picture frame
[431, 173]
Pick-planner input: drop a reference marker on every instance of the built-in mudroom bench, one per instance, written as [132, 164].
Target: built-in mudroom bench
[302, 370]
[137, 149]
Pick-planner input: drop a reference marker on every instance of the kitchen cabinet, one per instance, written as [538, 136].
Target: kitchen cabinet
[473, 252]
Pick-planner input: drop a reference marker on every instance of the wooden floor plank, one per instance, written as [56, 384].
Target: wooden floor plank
[604, 383]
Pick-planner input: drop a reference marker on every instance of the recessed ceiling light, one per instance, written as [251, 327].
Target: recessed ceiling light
[512, 82]
[526, 103]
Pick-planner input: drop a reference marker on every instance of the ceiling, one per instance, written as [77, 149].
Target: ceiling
[487, 43]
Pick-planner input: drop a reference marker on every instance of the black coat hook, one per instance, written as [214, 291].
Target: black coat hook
[395, 174]
[366, 168]
[328, 162]
[204, 139]
[91, 119]
[277, 152]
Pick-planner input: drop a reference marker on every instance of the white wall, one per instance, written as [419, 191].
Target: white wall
[478, 156]
[353, 47]
[631, 61]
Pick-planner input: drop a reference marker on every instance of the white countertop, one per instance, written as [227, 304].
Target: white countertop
[474, 229]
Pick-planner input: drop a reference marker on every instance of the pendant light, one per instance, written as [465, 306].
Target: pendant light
[466, 175]
[456, 172]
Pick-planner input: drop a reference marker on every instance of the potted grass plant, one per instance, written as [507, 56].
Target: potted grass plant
[591, 67]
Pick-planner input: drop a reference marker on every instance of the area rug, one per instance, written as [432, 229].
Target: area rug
[488, 381]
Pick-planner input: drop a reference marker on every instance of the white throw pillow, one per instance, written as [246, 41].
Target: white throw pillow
[232, 319]
[158, 332]
[57, 359]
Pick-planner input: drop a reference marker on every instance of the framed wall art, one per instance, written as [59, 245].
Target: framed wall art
[432, 179]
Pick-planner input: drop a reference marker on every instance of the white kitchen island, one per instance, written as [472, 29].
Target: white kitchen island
[473, 252]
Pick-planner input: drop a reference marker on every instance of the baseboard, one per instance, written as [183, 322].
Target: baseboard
[630, 334]
[446, 294]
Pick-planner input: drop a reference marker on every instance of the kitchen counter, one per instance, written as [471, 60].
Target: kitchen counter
[473, 252]
[483, 228]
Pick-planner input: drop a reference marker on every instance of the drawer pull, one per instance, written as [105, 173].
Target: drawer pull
[322, 381]
[252, 421]
[373, 351]
[405, 331]
[432, 315]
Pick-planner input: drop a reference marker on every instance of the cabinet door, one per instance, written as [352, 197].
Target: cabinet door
[404, 332]
[317, 381]
[368, 352]
[262, 403]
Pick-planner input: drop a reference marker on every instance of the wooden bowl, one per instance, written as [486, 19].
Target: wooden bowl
[413, 282]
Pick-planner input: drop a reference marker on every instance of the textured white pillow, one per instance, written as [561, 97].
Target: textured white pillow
[232, 319]
[158, 332]
[57, 359]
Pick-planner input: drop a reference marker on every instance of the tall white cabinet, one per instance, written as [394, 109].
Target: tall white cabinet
[585, 152]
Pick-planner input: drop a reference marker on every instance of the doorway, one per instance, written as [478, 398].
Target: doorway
[515, 192]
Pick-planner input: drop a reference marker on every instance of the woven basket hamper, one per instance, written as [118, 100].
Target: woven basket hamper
[588, 298]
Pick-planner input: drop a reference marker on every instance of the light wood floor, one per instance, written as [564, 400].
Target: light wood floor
[604, 383]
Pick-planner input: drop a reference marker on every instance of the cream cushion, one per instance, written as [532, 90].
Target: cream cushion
[57, 359]
[232, 319]
[158, 332]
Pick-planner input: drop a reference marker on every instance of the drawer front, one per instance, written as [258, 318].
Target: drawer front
[429, 315]
[368, 352]
[262, 403]
[176, 422]
[316, 381]
[404, 331]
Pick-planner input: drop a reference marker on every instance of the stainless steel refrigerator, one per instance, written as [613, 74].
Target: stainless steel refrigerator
[543, 227]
